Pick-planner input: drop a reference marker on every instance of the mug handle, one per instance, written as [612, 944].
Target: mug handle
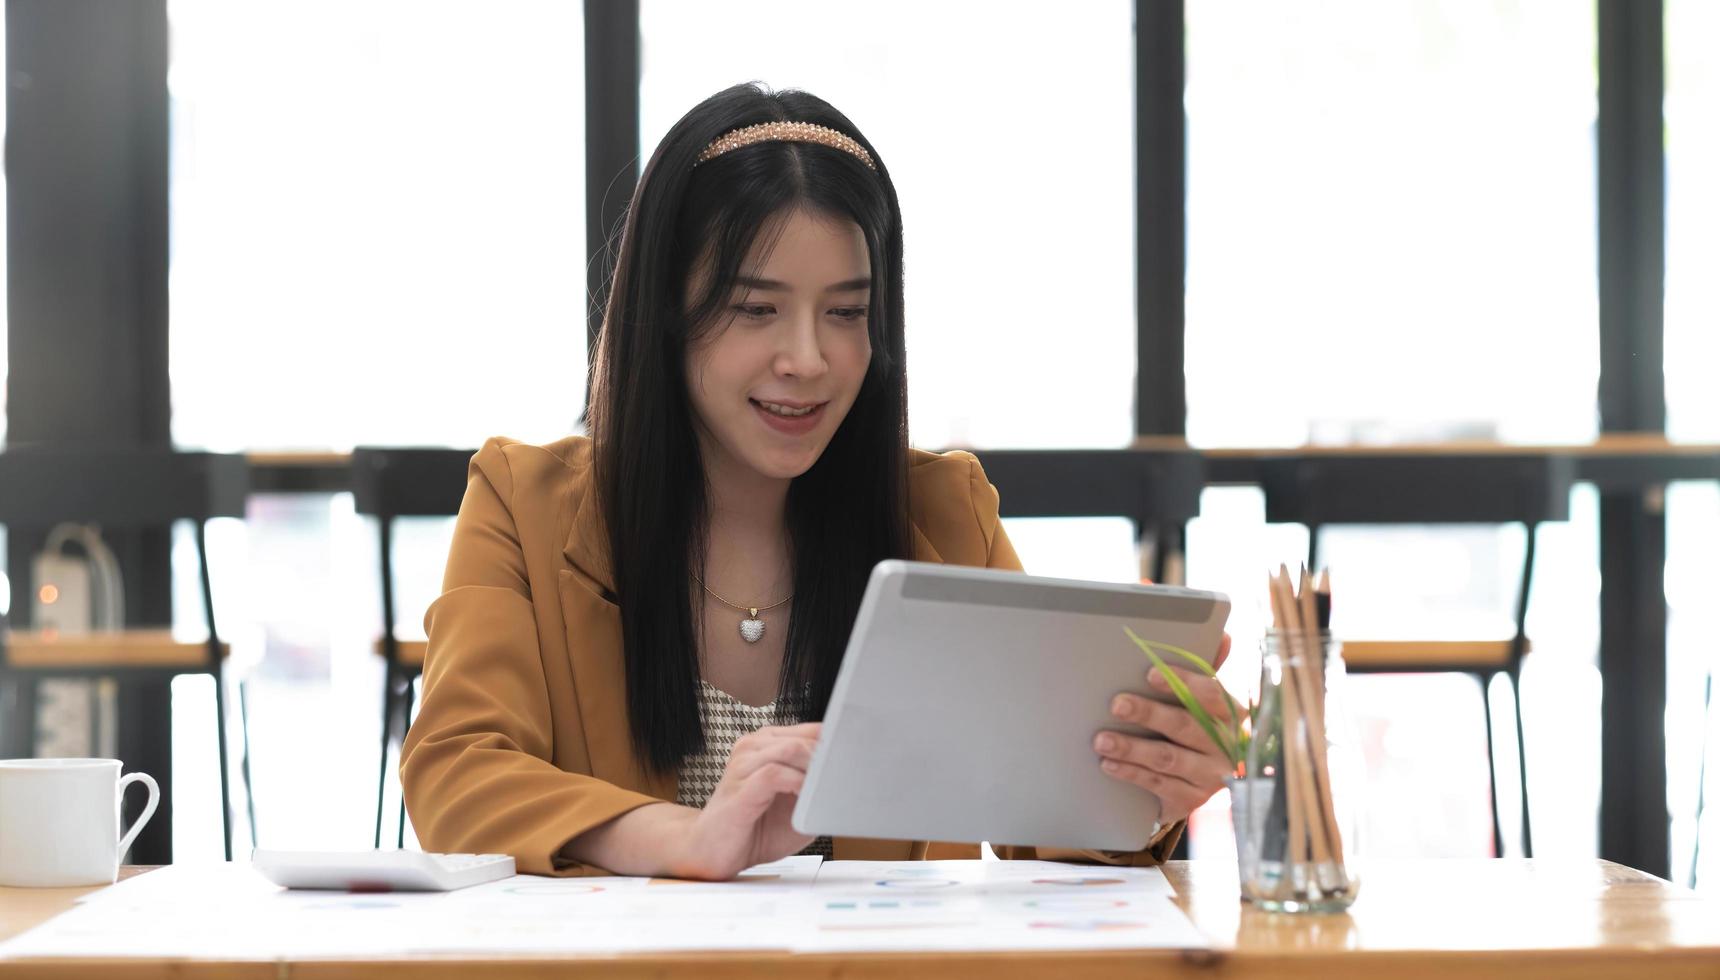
[148, 808]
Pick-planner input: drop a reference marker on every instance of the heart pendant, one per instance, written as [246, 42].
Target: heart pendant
[752, 630]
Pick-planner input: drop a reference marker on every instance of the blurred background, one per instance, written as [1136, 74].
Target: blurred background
[1260, 230]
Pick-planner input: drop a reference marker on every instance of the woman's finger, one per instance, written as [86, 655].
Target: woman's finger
[1223, 653]
[807, 729]
[1178, 797]
[807, 733]
[744, 760]
[1207, 691]
[1206, 769]
[761, 787]
[1171, 721]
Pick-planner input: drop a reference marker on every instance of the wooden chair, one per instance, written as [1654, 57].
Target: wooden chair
[126, 488]
[1386, 488]
[388, 484]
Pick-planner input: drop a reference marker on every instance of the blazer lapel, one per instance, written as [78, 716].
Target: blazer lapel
[587, 545]
[923, 550]
[592, 623]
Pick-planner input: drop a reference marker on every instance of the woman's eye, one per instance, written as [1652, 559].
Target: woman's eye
[849, 312]
[754, 311]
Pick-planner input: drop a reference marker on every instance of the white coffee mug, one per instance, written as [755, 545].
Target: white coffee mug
[59, 821]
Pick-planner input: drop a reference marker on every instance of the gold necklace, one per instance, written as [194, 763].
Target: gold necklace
[752, 627]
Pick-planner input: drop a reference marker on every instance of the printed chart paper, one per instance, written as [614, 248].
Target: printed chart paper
[228, 911]
[1016, 905]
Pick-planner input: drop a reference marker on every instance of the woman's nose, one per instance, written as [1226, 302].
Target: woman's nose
[799, 354]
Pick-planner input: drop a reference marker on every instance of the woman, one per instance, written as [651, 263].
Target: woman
[639, 629]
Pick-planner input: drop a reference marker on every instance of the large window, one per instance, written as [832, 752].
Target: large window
[1008, 132]
[1692, 661]
[5, 583]
[1692, 414]
[1391, 228]
[5, 596]
[378, 234]
[378, 223]
[1692, 220]
[1391, 221]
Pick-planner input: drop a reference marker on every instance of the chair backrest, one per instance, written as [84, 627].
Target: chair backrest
[1153, 487]
[41, 486]
[1386, 488]
[393, 483]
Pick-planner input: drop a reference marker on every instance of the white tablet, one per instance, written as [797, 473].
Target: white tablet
[968, 699]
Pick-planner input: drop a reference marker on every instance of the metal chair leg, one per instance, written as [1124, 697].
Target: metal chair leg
[217, 669]
[1522, 762]
[1515, 673]
[1161, 553]
[382, 768]
[1492, 774]
[405, 726]
[391, 669]
[93, 704]
[221, 751]
[1702, 776]
[9, 713]
[245, 761]
[18, 732]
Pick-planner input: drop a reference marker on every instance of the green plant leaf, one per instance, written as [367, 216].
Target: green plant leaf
[1194, 661]
[1236, 713]
[1186, 696]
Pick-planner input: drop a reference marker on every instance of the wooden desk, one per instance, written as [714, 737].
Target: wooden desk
[1522, 919]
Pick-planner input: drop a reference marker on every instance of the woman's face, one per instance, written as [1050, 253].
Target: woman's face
[771, 385]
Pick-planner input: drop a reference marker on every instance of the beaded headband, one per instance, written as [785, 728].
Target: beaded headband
[795, 132]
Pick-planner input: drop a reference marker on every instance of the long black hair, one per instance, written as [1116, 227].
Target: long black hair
[845, 514]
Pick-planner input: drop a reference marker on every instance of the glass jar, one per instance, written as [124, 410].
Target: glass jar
[1296, 811]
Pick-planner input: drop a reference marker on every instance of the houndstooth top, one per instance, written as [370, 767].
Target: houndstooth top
[724, 721]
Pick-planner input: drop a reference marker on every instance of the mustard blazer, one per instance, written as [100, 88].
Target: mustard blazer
[522, 742]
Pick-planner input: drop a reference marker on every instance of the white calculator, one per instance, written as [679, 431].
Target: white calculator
[380, 871]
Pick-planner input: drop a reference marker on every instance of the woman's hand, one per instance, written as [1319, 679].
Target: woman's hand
[746, 820]
[1184, 769]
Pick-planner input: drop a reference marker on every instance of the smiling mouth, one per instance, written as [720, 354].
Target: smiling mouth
[786, 411]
